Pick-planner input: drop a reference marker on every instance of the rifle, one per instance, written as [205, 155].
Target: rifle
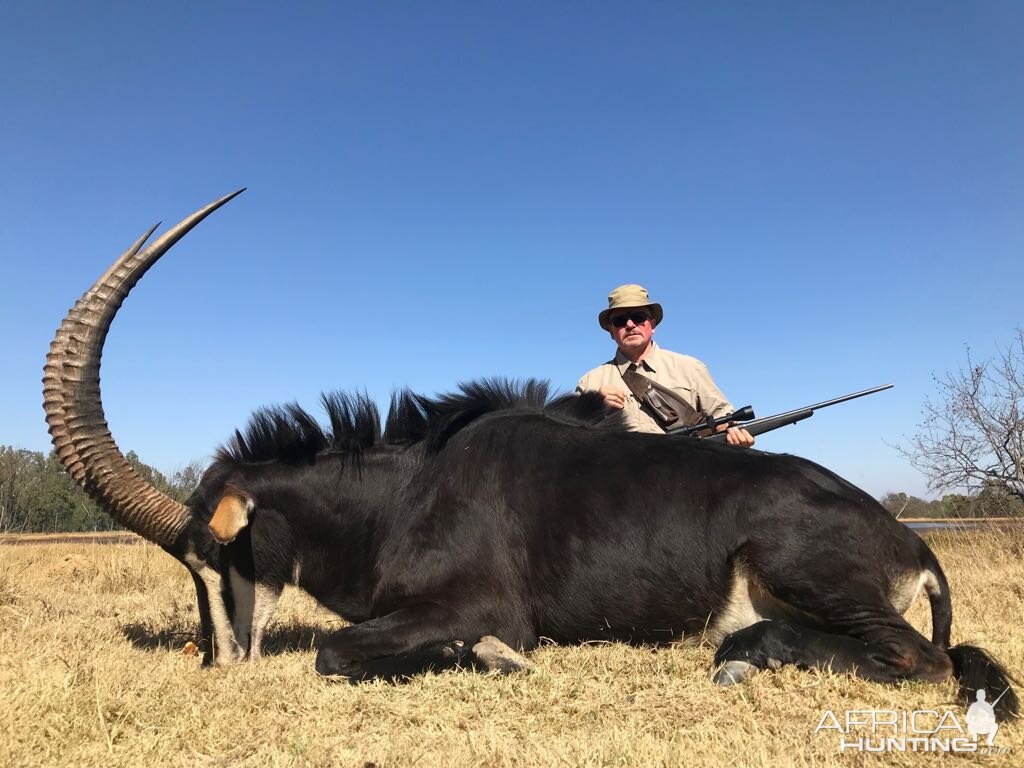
[744, 417]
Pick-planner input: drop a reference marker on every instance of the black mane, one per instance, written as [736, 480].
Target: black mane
[434, 421]
[291, 435]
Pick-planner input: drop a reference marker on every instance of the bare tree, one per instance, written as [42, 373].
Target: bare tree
[186, 480]
[972, 435]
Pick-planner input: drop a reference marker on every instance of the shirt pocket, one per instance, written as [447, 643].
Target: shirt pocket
[688, 396]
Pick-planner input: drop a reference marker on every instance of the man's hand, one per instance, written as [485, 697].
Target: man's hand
[737, 436]
[613, 397]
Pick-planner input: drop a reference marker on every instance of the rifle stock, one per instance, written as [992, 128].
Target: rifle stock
[767, 424]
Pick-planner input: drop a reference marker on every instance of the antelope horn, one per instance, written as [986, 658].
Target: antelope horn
[71, 395]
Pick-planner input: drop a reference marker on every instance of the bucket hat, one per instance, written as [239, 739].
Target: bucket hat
[627, 296]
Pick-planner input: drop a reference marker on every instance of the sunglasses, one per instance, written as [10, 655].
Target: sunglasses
[638, 318]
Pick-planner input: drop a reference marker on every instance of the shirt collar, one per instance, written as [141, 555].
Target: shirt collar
[647, 364]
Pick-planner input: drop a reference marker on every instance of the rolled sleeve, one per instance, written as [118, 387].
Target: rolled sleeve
[713, 401]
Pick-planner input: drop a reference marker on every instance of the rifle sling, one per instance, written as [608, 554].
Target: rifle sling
[659, 401]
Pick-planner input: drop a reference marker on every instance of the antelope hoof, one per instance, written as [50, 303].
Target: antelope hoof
[732, 672]
[496, 656]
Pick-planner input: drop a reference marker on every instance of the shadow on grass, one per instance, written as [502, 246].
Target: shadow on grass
[276, 640]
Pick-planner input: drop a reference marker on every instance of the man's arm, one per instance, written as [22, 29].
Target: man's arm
[716, 404]
[614, 397]
[736, 436]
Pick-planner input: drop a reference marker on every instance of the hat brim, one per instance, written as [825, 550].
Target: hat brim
[656, 313]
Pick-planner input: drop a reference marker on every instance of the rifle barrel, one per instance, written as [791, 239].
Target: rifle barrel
[768, 423]
[833, 401]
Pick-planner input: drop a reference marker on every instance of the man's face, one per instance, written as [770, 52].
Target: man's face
[631, 328]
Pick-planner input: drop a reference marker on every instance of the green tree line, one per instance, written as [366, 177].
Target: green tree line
[992, 500]
[38, 496]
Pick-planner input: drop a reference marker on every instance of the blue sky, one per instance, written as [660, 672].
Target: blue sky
[824, 197]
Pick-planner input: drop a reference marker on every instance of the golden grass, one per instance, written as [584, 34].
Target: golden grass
[92, 673]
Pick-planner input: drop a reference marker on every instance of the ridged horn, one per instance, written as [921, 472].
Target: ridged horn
[74, 409]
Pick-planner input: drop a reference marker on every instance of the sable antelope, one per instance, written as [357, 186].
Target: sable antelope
[503, 516]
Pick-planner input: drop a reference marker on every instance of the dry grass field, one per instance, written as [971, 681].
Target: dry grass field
[93, 673]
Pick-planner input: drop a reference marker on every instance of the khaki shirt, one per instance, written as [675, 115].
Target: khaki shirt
[686, 376]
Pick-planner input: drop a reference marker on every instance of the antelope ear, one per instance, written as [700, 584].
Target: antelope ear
[231, 515]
